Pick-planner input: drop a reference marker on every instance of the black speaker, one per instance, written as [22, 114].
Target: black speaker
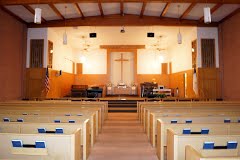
[150, 34]
[92, 35]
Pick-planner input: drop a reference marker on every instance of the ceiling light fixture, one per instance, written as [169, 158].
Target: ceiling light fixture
[179, 35]
[207, 15]
[37, 16]
[65, 33]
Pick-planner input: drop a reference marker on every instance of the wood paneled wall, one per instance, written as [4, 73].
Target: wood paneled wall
[60, 86]
[209, 83]
[34, 82]
[176, 80]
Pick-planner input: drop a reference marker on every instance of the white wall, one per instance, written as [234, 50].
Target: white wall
[37, 33]
[149, 61]
[95, 61]
[181, 54]
[210, 33]
[62, 54]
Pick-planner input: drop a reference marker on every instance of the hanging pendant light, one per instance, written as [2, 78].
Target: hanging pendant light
[207, 14]
[179, 35]
[65, 33]
[65, 38]
[37, 16]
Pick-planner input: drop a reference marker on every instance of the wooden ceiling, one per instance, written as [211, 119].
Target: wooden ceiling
[120, 12]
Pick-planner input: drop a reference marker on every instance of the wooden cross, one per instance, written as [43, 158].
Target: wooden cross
[121, 60]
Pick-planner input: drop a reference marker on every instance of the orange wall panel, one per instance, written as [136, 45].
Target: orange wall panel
[229, 43]
[12, 57]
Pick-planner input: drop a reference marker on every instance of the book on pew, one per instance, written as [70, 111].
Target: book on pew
[188, 121]
[59, 130]
[40, 144]
[24, 114]
[41, 130]
[17, 143]
[173, 121]
[19, 120]
[208, 145]
[6, 120]
[232, 144]
[79, 114]
[71, 121]
[186, 131]
[204, 131]
[227, 121]
[67, 114]
[57, 121]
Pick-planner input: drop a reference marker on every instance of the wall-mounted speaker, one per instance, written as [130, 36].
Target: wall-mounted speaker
[92, 35]
[150, 34]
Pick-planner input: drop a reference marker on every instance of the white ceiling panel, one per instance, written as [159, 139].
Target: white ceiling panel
[22, 12]
[133, 8]
[173, 9]
[197, 12]
[71, 11]
[223, 11]
[111, 8]
[154, 9]
[47, 12]
[90, 9]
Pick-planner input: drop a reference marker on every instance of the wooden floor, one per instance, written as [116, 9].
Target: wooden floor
[122, 138]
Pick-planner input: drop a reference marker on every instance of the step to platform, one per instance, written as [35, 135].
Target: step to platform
[122, 106]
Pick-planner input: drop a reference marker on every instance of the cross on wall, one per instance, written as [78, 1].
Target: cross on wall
[121, 60]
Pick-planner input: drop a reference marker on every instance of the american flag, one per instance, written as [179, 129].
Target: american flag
[47, 82]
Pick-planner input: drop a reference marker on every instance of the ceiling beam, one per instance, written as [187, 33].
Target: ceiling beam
[13, 15]
[143, 9]
[118, 20]
[56, 10]
[121, 8]
[214, 9]
[79, 10]
[165, 10]
[30, 9]
[100, 8]
[20, 2]
[230, 15]
[187, 11]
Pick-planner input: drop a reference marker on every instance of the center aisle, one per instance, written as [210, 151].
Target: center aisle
[122, 138]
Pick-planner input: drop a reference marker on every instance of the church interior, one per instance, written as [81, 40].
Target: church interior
[120, 79]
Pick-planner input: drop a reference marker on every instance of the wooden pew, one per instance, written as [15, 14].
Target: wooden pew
[193, 154]
[182, 112]
[185, 105]
[179, 108]
[152, 130]
[67, 105]
[63, 119]
[61, 147]
[177, 142]
[214, 128]
[32, 128]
